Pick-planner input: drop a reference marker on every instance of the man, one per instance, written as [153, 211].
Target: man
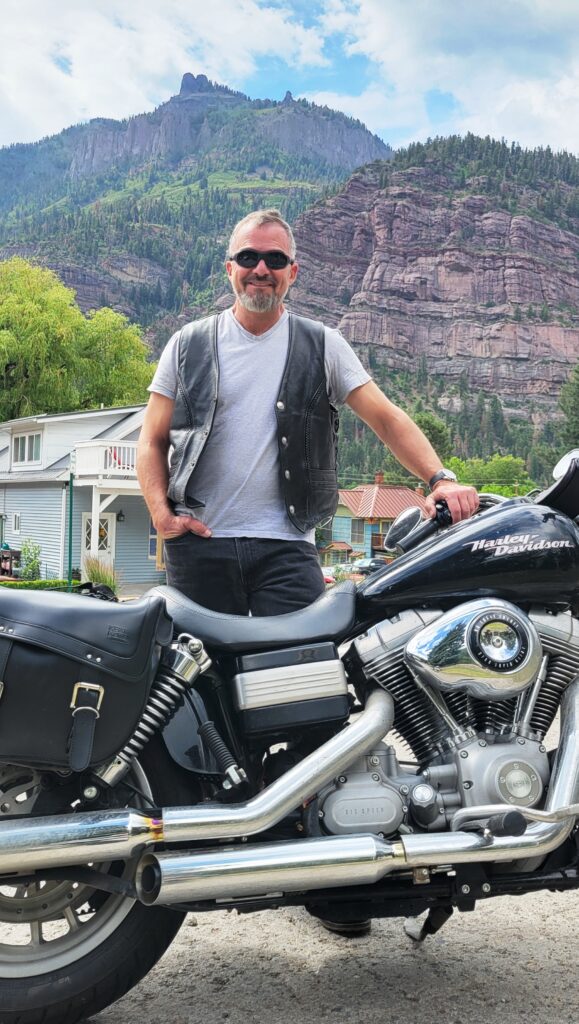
[246, 401]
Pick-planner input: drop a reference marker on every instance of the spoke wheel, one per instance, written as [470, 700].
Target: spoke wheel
[47, 924]
[67, 950]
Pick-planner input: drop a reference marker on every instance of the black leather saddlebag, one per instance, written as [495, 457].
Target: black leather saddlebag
[75, 675]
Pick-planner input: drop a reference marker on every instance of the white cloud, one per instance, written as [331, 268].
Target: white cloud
[65, 62]
[512, 68]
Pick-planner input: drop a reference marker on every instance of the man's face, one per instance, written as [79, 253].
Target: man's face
[259, 289]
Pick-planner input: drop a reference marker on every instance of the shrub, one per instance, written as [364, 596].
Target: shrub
[35, 584]
[29, 560]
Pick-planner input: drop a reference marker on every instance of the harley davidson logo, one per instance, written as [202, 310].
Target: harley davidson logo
[516, 543]
[118, 633]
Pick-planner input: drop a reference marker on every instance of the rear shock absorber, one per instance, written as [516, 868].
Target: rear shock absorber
[182, 663]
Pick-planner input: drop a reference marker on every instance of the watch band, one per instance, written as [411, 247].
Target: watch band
[443, 474]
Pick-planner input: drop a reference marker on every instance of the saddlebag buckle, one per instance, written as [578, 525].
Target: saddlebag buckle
[86, 703]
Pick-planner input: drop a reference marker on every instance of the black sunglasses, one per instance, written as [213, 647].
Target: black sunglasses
[274, 260]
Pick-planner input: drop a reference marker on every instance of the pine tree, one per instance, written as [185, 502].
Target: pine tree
[569, 402]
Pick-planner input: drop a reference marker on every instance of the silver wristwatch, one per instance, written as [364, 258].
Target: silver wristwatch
[443, 474]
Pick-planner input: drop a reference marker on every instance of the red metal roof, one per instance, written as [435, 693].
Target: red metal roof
[380, 501]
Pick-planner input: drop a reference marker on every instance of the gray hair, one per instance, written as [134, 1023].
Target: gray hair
[257, 219]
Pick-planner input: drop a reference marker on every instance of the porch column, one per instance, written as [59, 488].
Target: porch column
[94, 523]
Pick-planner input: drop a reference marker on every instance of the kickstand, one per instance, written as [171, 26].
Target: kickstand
[436, 917]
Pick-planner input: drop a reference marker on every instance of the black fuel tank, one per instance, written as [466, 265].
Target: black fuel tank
[519, 551]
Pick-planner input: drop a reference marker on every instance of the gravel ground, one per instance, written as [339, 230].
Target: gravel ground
[512, 960]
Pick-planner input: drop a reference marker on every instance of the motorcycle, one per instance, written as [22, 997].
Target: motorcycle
[383, 752]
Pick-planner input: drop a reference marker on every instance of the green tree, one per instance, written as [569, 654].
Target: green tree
[437, 433]
[569, 402]
[112, 367]
[53, 358]
[39, 322]
[505, 474]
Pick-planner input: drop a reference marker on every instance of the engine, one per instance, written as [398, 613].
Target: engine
[476, 689]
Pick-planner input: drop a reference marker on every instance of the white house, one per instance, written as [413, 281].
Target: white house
[68, 482]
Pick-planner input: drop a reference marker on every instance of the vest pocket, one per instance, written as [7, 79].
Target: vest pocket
[322, 495]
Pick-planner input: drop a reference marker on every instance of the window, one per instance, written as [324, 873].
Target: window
[25, 449]
[357, 531]
[16, 522]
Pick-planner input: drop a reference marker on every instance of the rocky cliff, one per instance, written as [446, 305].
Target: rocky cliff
[136, 214]
[417, 271]
[201, 119]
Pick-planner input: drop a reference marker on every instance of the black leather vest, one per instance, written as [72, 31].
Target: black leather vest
[307, 425]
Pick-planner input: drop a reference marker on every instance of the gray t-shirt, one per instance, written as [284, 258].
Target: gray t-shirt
[237, 476]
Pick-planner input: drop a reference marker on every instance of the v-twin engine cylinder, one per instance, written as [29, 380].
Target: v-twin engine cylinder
[483, 668]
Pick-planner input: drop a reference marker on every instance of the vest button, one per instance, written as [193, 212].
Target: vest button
[287, 474]
[280, 406]
[284, 441]
[292, 509]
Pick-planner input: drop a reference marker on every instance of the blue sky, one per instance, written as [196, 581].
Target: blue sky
[408, 69]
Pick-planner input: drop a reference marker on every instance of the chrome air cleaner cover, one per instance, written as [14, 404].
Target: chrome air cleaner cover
[487, 647]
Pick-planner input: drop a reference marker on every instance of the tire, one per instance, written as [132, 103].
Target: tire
[109, 942]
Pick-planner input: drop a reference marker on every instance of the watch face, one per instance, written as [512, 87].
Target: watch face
[443, 474]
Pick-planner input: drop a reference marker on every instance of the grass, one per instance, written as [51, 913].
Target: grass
[97, 571]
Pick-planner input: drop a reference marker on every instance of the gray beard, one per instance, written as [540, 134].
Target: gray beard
[261, 302]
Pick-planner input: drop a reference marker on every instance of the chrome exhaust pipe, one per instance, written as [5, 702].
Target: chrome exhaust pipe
[276, 868]
[333, 861]
[96, 836]
[265, 869]
[64, 839]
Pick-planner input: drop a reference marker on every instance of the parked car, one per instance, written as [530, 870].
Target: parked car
[365, 566]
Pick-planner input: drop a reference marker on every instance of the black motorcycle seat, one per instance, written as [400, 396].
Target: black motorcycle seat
[328, 618]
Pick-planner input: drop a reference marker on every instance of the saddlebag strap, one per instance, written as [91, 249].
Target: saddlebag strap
[86, 701]
[5, 648]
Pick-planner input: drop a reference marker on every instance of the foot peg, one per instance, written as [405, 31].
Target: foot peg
[511, 823]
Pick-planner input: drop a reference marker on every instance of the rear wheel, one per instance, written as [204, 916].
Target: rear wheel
[66, 949]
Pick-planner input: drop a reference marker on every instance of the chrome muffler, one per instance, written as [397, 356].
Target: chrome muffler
[96, 836]
[325, 863]
[260, 869]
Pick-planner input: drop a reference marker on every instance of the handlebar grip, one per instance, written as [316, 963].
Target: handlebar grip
[426, 529]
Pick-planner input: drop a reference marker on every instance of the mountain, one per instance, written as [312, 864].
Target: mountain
[135, 214]
[454, 270]
[453, 266]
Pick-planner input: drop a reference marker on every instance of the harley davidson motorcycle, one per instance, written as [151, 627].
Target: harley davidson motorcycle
[383, 752]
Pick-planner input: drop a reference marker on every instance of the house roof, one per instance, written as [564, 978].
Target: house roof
[380, 501]
[43, 417]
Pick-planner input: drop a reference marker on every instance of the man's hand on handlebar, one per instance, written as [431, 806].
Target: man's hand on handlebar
[462, 500]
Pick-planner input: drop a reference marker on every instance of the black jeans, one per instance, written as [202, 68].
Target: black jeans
[244, 574]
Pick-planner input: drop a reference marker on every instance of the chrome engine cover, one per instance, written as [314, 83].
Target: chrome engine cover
[488, 648]
[508, 771]
[370, 797]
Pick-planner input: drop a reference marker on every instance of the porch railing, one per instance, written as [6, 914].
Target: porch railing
[106, 458]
